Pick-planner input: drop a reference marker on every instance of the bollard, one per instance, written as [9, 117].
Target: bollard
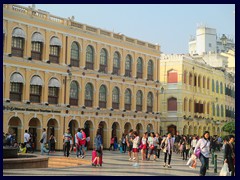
[215, 163]
[212, 162]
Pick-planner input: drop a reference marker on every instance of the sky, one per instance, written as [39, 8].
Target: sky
[169, 25]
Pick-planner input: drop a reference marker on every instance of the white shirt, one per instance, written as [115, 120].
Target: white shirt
[26, 137]
[135, 142]
[204, 147]
[144, 140]
[194, 143]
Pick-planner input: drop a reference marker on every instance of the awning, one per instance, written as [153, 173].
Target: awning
[17, 32]
[17, 78]
[55, 42]
[54, 83]
[36, 80]
[37, 37]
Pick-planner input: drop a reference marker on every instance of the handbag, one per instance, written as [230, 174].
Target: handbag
[152, 147]
[224, 171]
[41, 141]
[197, 153]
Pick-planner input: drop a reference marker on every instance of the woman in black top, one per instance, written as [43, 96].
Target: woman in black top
[229, 154]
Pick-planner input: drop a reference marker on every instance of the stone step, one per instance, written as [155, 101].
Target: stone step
[62, 164]
[66, 162]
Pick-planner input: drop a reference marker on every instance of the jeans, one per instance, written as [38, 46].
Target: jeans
[43, 149]
[124, 146]
[205, 162]
[78, 150]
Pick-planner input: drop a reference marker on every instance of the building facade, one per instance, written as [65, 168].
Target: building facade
[194, 96]
[59, 74]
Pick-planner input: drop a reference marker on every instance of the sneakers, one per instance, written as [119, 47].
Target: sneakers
[135, 165]
[164, 165]
[130, 159]
[169, 166]
[134, 158]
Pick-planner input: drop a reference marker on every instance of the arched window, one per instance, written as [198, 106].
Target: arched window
[55, 45]
[213, 85]
[16, 87]
[90, 58]
[116, 63]
[75, 54]
[172, 76]
[204, 81]
[172, 104]
[128, 66]
[208, 83]
[36, 84]
[213, 109]
[218, 114]
[208, 108]
[115, 98]
[89, 95]
[190, 79]
[221, 87]
[150, 70]
[74, 93]
[139, 100]
[150, 102]
[217, 87]
[103, 61]
[128, 98]
[103, 96]
[185, 105]
[53, 91]
[190, 106]
[37, 46]
[185, 77]
[139, 68]
[199, 81]
[18, 38]
[222, 111]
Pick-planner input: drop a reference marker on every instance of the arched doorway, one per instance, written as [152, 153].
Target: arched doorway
[172, 129]
[127, 128]
[52, 128]
[35, 131]
[14, 127]
[102, 126]
[149, 128]
[218, 131]
[73, 126]
[213, 131]
[88, 129]
[116, 130]
[139, 129]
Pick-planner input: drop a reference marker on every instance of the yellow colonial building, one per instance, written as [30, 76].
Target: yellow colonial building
[59, 74]
[194, 96]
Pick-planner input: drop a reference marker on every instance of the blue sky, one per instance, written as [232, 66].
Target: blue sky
[169, 25]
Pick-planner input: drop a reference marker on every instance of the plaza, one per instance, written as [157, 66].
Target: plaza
[117, 164]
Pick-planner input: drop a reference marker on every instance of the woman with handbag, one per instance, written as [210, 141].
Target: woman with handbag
[183, 145]
[167, 149]
[135, 141]
[144, 146]
[229, 154]
[152, 146]
[204, 145]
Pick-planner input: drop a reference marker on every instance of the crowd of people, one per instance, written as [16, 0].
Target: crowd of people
[146, 147]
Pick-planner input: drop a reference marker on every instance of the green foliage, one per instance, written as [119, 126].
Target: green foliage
[229, 127]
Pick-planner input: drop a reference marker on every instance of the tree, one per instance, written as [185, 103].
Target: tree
[229, 127]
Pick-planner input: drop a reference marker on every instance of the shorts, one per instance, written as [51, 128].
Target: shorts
[135, 150]
[129, 148]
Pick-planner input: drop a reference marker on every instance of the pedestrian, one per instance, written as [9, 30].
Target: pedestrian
[78, 137]
[26, 137]
[229, 155]
[43, 142]
[167, 144]
[136, 142]
[158, 144]
[98, 146]
[111, 144]
[183, 147]
[152, 146]
[144, 146]
[129, 142]
[124, 144]
[204, 145]
[67, 137]
[52, 141]
[83, 143]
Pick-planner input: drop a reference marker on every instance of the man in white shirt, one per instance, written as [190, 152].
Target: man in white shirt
[26, 137]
